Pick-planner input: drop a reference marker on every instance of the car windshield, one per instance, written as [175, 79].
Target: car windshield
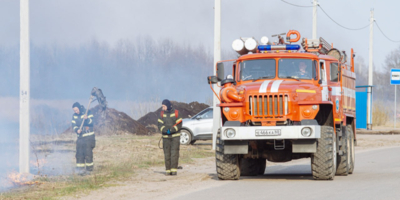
[296, 69]
[201, 113]
[257, 69]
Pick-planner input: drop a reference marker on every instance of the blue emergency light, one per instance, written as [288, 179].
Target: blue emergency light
[293, 47]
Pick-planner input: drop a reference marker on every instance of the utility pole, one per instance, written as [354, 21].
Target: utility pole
[24, 94]
[370, 72]
[217, 57]
[314, 30]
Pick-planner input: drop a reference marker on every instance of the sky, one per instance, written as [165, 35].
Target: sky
[74, 22]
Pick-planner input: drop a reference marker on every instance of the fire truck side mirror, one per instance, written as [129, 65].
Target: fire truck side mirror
[212, 80]
[220, 71]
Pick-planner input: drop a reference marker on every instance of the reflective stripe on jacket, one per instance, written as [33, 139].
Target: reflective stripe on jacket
[170, 122]
[87, 128]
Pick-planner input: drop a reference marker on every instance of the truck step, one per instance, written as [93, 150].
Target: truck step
[279, 144]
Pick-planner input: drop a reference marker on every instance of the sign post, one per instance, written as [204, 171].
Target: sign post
[395, 80]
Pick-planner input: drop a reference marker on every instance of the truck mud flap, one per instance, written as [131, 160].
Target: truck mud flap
[304, 146]
[236, 147]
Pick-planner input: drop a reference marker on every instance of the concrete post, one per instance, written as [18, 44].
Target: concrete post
[370, 72]
[314, 30]
[24, 95]
[217, 57]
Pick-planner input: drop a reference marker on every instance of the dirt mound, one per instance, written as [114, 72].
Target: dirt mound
[185, 111]
[114, 122]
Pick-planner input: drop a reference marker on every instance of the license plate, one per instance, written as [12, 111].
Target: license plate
[267, 132]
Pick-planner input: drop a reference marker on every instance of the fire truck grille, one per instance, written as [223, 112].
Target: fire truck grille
[269, 106]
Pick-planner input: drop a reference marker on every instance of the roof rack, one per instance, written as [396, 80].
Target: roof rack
[316, 45]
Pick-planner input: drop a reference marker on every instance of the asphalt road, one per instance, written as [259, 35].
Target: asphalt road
[376, 176]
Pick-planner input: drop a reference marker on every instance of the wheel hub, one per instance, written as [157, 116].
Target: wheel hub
[184, 138]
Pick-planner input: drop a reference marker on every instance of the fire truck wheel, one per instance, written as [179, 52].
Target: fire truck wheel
[227, 164]
[248, 167]
[323, 162]
[252, 167]
[344, 159]
[351, 148]
[262, 163]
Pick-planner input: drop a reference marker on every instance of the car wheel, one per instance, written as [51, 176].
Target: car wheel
[186, 137]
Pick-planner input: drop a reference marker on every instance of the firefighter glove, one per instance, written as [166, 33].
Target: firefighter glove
[168, 132]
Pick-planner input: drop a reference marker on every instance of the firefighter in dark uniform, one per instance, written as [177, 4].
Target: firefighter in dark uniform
[170, 124]
[86, 139]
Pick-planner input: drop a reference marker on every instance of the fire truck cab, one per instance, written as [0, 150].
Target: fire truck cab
[281, 103]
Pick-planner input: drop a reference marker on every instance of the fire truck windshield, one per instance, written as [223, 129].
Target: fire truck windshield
[257, 69]
[297, 69]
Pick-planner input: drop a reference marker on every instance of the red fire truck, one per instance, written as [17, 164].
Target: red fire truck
[283, 101]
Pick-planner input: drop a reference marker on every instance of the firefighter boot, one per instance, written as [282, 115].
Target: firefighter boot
[174, 173]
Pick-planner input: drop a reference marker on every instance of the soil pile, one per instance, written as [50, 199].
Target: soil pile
[112, 121]
[185, 111]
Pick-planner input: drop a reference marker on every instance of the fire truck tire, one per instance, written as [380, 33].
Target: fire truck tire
[351, 148]
[252, 167]
[323, 162]
[262, 163]
[248, 167]
[227, 164]
[344, 159]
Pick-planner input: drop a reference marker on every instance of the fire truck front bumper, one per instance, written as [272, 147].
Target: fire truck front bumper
[270, 132]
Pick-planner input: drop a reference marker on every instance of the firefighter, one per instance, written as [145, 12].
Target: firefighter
[86, 139]
[170, 124]
[303, 71]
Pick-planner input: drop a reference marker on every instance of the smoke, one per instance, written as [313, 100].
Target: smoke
[131, 70]
[132, 74]
[8, 151]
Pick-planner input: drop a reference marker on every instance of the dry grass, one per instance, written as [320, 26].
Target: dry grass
[117, 158]
[380, 114]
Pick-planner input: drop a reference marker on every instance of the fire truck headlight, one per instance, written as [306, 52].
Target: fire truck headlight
[230, 133]
[226, 109]
[315, 107]
[306, 132]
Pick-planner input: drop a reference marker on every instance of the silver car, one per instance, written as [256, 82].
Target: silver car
[199, 127]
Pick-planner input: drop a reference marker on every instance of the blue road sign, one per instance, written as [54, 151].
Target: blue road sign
[395, 76]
